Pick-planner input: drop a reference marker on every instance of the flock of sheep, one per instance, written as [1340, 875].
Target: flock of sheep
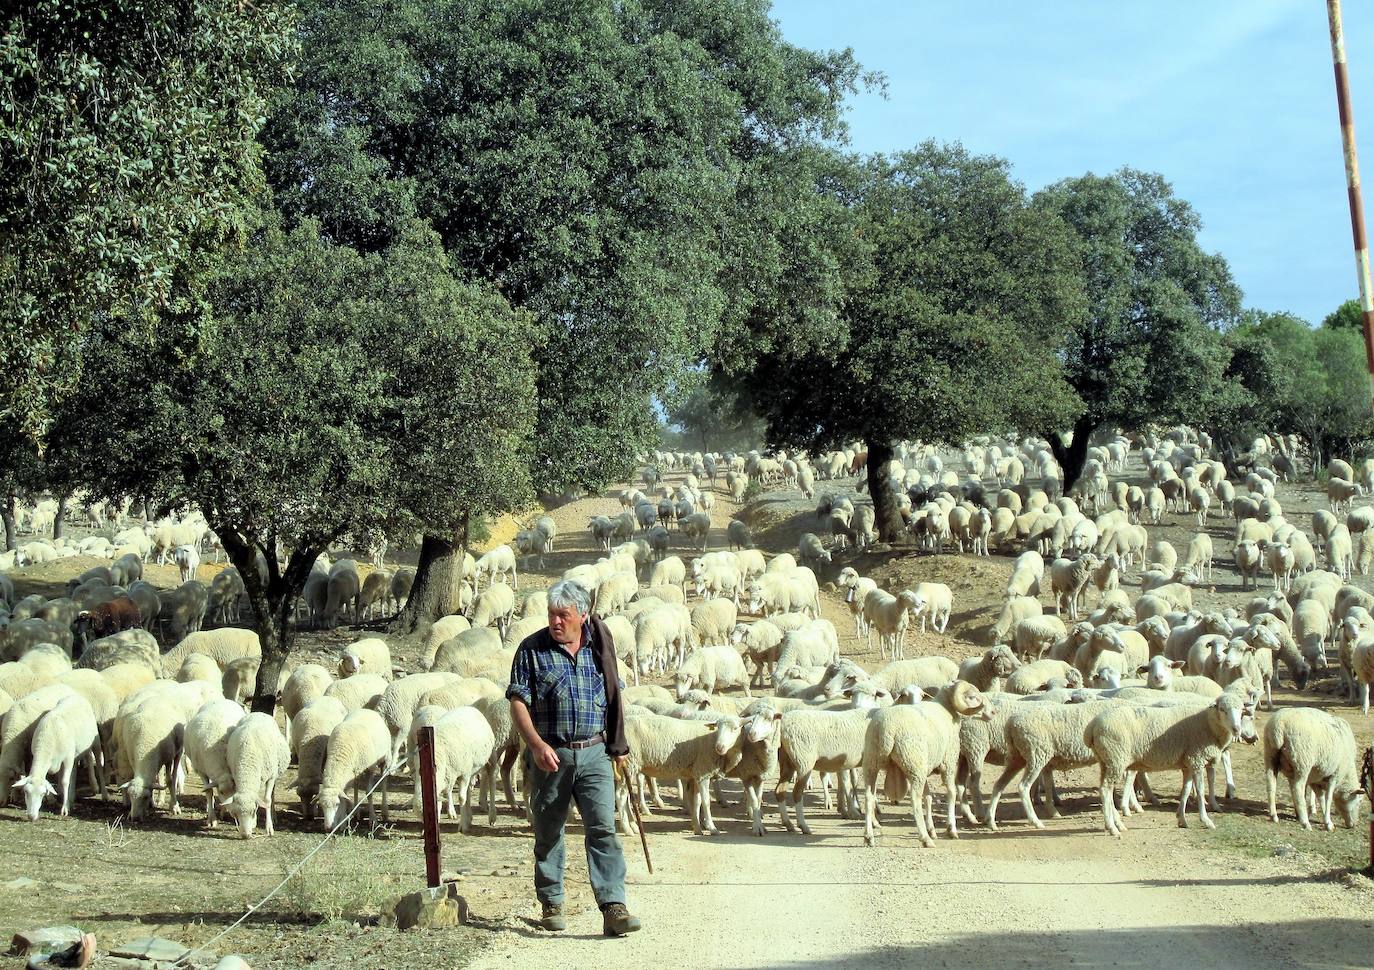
[1077, 671]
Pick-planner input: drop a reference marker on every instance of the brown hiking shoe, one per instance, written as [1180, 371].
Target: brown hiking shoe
[553, 918]
[617, 921]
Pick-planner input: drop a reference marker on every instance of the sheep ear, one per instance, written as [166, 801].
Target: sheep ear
[23, 780]
[1142, 668]
[1179, 664]
[50, 789]
[777, 715]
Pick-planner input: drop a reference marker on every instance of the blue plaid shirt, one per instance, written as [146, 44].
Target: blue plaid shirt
[566, 695]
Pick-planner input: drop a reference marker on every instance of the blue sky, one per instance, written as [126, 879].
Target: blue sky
[1232, 100]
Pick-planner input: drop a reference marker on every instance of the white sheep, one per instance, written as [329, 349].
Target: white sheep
[223, 646]
[1033, 636]
[1128, 739]
[343, 588]
[359, 750]
[1311, 747]
[500, 561]
[493, 606]
[1015, 609]
[149, 741]
[713, 621]
[928, 673]
[910, 742]
[63, 736]
[124, 679]
[1032, 677]
[661, 634]
[670, 749]
[310, 731]
[1161, 673]
[207, 748]
[400, 699]
[444, 628]
[127, 646]
[370, 655]
[819, 740]
[990, 671]
[188, 561]
[889, 616]
[1068, 579]
[16, 731]
[760, 642]
[709, 668]
[257, 755]
[463, 746]
[358, 691]
[933, 600]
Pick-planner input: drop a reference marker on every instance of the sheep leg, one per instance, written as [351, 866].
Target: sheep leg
[973, 782]
[1014, 764]
[871, 825]
[1212, 787]
[918, 811]
[271, 795]
[753, 790]
[1106, 795]
[1028, 779]
[658, 798]
[950, 799]
[1299, 788]
[1328, 797]
[703, 787]
[799, 800]
[1271, 778]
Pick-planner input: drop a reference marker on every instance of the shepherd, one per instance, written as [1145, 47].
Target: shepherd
[565, 700]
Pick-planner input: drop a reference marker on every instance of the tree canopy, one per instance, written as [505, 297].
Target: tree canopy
[953, 312]
[127, 139]
[335, 393]
[633, 173]
[1148, 349]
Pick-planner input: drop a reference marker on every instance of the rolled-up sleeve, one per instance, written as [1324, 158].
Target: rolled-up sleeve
[521, 678]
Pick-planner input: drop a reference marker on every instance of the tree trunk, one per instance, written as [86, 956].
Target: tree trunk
[9, 512]
[886, 514]
[438, 578]
[61, 514]
[271, 605]
[1072, 456]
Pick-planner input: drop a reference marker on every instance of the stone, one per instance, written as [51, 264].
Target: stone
[68, 887]
[153, 949]
[44, 940]
[1284, 850]
[22, 883]
[437, 908]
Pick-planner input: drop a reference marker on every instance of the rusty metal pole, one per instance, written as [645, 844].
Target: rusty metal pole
[1352, 178]
[429, 806]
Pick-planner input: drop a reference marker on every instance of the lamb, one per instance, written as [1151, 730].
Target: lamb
[62, 736]
[810, 550]
[149, 741]
[310, 731]
[443, 629]
[223, 646]
[1248, 557]
[888, 616]
[357, 692]
[1160, 674]
[856, 589]
[759, 642]
[500, 561]
[257, 756]
[709, 668]
[399, 700]
[126, 678]
[1068, 579]
[493, 606]
[670, 749]
[1279, 558]
[343, 588]
[1015, 609]
[1340, 557]
[934, 600]
[129, 646]
[928, 673]
[1032, 677]
[990, 671]
[1035, 635]
[401, 582]
[910, 742]
[1126, 739]
[660, 633]
[207, 748]
[713, 621]
[1311, 747]
[819, 740]
[306, 683]
[358, 751]
[16, 731]
[463, 746]
[371, 656]
[188, 561]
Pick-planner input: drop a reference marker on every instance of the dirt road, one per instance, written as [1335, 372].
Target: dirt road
[1071, 896]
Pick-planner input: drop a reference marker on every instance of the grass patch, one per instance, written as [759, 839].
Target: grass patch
[1257, 837]
[351, 878]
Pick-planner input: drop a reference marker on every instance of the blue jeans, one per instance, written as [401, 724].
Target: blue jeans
[588, 776]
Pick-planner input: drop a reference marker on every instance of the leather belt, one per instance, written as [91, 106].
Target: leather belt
[587, 742]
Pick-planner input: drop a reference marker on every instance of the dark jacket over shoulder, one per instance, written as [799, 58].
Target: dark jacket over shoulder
[604, 645]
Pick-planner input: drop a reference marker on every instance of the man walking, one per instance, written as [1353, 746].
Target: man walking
[565, 699]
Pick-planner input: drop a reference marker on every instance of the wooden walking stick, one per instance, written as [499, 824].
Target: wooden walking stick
[634, 810]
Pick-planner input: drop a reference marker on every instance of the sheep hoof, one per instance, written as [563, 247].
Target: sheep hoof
[1209, 823]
